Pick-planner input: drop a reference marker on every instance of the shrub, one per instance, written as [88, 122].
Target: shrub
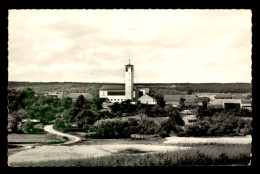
[116, 128]
[15, 122]
[218, 125]
[62, 126]
[30, 128]
[173, 124]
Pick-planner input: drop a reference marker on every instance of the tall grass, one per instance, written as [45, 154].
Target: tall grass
[229, 154]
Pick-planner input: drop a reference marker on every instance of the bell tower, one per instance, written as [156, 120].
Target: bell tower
[129, 81]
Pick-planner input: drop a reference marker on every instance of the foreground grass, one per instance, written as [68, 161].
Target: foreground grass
[33, 138]
[229, 154]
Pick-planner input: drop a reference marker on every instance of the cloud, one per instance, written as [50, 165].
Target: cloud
[164, 45]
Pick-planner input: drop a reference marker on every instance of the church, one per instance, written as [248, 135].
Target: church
[127, 91]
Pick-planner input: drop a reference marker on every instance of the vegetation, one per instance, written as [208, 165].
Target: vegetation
[117, 128]
[33, 138]
[228, 154]
[155, 88]
[173, 124]
[218, 125]
[203, 112]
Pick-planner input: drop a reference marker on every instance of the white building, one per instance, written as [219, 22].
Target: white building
[146, 99]
[122, 92]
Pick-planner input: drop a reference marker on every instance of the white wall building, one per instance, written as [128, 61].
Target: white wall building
[122, 92]
[146, 99]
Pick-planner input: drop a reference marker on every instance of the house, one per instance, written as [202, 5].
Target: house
[187, 96]
[216, 103]
[246, 104]
[231, 103]
[223, 96]
[146, 99]
[173, 100]
[191, 101]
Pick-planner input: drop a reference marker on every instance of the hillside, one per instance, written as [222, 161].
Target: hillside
[155, 88]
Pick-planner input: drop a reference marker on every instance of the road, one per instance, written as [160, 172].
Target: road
[72, 138]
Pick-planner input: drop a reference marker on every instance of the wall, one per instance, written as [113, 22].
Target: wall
[147, 99]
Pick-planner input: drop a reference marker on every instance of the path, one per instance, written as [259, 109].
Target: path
[72, 138]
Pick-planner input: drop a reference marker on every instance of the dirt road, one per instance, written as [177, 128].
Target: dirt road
[72, 138]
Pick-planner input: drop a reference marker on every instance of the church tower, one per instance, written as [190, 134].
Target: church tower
[129, 81]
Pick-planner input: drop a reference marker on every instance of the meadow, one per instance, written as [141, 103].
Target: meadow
[33, 138]
[215, 154]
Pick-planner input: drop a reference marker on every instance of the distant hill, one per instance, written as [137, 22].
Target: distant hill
[155, 88]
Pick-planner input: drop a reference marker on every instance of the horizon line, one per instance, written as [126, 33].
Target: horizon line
[119, 82]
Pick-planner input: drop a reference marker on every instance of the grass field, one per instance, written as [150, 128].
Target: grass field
[229, 154]
[33, 138]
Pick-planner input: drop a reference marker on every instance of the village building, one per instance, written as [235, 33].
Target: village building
[188, 100]
[128, 91]
[246, 104]
[231, 103]
[215, 103]
[173, 100]
[146, 99]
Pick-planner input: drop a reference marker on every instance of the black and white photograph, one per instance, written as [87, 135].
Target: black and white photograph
[129, 87]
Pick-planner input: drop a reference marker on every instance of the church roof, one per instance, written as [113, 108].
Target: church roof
[113, 87]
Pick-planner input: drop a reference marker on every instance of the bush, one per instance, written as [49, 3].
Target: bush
[116, 128]
[218, 125]
[62, 126]
[15, 122]
[30, 128]
[173, 124]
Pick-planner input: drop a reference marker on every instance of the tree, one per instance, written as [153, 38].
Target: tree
[67, 103]
[115, 107]
[14, 122]
[173, 124]
[80, 119]
[160, 101]
[80, 102]
[189, 91]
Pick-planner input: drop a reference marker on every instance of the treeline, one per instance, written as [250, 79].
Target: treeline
[155, 88]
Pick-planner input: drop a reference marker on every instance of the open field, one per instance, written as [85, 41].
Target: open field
[94, 148]
[209, 140]
[33, 138]
[135, 155]
[46, 153]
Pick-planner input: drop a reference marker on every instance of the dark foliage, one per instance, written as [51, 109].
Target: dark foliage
[218, 125]
[123, 129]
[173, 124]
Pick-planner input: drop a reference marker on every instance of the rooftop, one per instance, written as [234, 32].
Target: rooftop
[216, 102]
[172, 97]
[231, 101]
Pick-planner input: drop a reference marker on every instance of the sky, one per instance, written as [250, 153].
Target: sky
[165, 46]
